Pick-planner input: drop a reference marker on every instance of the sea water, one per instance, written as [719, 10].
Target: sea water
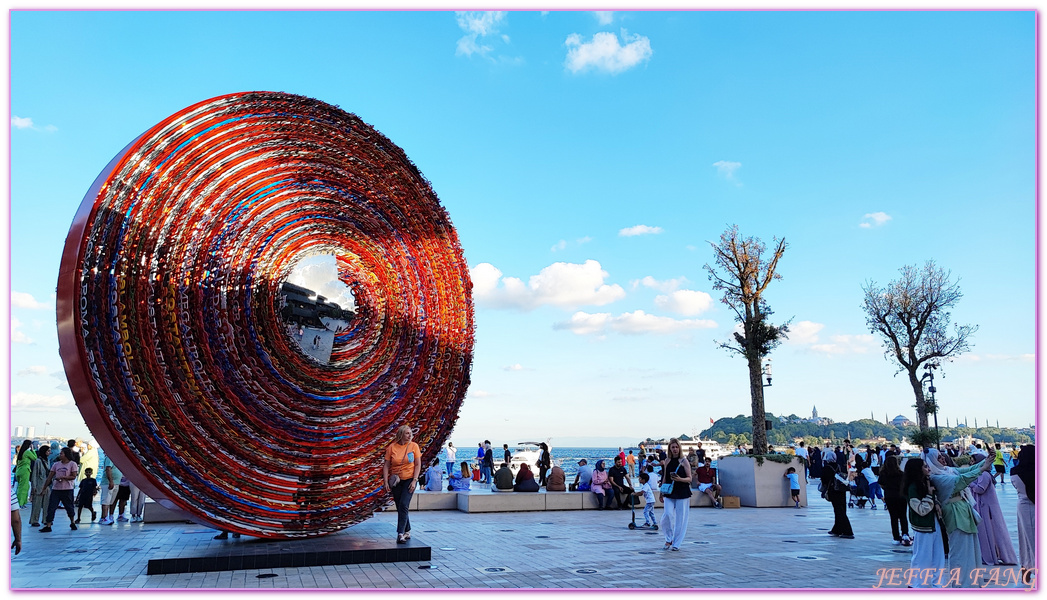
[566, 457]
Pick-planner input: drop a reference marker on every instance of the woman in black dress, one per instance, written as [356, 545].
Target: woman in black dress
[835, 486]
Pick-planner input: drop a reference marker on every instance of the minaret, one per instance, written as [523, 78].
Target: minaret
[814, 412]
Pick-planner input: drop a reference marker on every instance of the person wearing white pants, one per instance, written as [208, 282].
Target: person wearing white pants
[137, 504]
[675, 493]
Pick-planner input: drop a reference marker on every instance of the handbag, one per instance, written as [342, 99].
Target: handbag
[667, 487]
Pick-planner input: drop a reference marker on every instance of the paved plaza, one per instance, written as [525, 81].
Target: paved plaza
[728, 548]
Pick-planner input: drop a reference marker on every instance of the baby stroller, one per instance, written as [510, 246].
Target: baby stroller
[859, 492]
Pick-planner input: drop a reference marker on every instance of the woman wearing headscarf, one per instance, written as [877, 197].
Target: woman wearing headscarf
[677, 501]
[400, 471]
[545, 460]
[960, 518]
[894, 499]
[1023, 478]
[993, 538]
[55, 454]
[557, 481]
[928, 547]
[815, 460]
[525, 480]
[836, 486]
[23, 467]
[601, 485]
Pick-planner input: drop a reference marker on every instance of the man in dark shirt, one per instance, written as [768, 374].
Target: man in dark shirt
[71, 444]
[619, 477]
[700, 452]
[503, 479]
[508, 455]
[488, 463]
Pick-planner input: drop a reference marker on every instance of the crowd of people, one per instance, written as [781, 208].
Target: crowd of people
[50, 478]
[951, 508]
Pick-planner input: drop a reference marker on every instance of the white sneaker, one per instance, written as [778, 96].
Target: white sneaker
[106, 521]
[122, 519]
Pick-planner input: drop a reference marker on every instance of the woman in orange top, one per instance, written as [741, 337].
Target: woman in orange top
[403, 464]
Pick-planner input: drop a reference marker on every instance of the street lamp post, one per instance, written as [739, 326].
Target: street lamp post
[929, 375]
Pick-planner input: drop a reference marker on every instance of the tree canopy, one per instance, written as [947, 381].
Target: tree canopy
[911, 316]
[742, 272]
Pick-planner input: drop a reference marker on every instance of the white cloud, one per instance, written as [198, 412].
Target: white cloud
[847, 344]
[727, 168]
[634, 323]
[563, 244]
[876, 219]
[18, 337]
[319, 273]
[24, 300]
[667, 287]
[479, 394]
[33, 370]
[605, 53]
[559, 284]
[516, 367]
[477, 25]
[804, 333]
[604, 17]
[639, 230]
[24, 401]
[27, 123]
[685, 302]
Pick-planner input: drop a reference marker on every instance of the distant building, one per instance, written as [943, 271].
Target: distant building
[19, 431]
[30, 433]
[901, 421]
[815, 419]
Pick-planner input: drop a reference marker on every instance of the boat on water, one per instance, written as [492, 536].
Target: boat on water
[713, 449]
[526, 453]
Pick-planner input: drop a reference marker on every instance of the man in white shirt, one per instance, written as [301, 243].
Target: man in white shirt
[801, 451]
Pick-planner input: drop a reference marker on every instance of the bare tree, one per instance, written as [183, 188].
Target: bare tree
[743, 275]
[911, 315]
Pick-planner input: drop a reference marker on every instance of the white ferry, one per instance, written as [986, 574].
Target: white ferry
[713, 449]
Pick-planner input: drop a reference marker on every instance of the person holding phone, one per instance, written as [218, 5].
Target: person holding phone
[675, 493]
[400, 471]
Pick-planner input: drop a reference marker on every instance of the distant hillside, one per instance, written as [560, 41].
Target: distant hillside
[735, 430]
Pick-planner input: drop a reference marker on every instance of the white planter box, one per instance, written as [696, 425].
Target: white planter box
[760, 486]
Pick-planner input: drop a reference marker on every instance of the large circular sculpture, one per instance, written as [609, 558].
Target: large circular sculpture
[172, 313]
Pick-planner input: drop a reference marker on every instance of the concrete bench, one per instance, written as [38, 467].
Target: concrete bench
[442, 500]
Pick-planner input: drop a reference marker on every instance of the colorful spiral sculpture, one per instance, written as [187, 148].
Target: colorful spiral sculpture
[169, 314]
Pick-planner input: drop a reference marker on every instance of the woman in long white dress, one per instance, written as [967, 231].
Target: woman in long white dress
[960, 520]
[1023, 478]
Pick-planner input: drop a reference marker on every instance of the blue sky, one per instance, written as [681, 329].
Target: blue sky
[868, 140]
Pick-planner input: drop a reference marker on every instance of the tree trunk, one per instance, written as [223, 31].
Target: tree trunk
[759, 418]
[921, 406]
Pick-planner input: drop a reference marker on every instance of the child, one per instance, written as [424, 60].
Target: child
[85, 498]
[794, 485]
[874, 485]
[647, 491]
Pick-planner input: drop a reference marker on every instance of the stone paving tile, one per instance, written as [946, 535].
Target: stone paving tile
[772, 541]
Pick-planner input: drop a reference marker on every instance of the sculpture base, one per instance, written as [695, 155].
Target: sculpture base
[372, 543]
